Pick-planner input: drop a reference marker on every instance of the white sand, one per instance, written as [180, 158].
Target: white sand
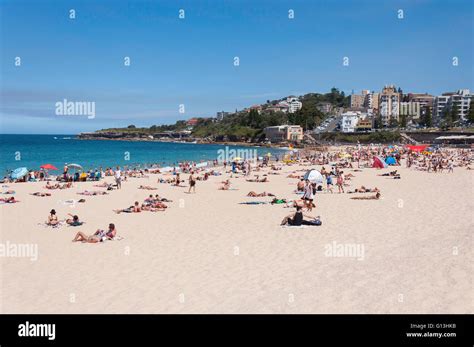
[213, 255]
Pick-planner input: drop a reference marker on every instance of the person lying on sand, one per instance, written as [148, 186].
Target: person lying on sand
[98, 236]
[372, 197]
[52, 218]
[151, 208]
[94, 192]
[293, 176]
[225, 186]
[132, 209]
[74, 221]
[147, 187]
[102, 185]
[41, 194]
[51, 186]
[391, 173]
[297, 218]
[278, 201]
[265, 179]
[362, 189]
[10, 200]
[9, 192]
[254, 195]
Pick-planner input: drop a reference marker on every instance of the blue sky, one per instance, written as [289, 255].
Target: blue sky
[190, 61]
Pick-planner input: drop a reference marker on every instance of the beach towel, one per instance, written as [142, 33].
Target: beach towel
[253, 203]
[299, 226]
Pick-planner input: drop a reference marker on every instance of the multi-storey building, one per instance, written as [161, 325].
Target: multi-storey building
[357, 100]
[293, 104]
[445, 102]
[389, 104]
[284, 133]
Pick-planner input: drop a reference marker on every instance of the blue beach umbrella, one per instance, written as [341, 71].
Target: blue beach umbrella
[19, 173]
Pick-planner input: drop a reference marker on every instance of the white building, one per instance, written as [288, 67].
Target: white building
[350, 120]
[444, 103]
[293, 104]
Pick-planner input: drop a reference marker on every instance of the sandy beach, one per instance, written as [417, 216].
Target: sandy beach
[209, 254]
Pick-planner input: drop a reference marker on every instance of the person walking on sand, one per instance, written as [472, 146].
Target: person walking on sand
[192, 182]
[308, 196]
[118, 177]
[340, 182]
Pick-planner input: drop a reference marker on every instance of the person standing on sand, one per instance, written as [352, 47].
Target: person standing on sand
[118, 177]
[192, 182]
[340, 182]
[308, 196]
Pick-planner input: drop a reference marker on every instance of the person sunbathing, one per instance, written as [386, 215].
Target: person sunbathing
[372, 197]
[265, 179]
[51, 186]
[225, 186]
[98, 236]
[253, 194]
[147, 187]
[102, 185]
[132, 209]
[41, 194]
[391, 173]
[9, 192]
[94, 192]
[52, 218]
[297, 218]
[66, 185]
[74, 221]
[362, 189]
[151, 208]
[10, 200]
[158, 198]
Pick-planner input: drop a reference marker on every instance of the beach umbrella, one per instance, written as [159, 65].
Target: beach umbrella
[390, 161]
[74, 166]
[48, 167]
[19, 173]
[314, 176]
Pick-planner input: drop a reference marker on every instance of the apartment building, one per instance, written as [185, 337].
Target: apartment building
[444, 103]
[389, 104]
[293, 104]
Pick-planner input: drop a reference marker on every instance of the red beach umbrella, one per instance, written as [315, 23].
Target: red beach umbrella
[48, 167]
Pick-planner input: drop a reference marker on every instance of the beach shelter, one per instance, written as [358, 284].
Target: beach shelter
[390, 161]
[417, 148]
[48, 167]
[379, 163]
[19, 173]
[74, 166]
[314, 176]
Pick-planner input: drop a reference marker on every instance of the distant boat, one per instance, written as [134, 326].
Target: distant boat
[66, 138]
[55, 138]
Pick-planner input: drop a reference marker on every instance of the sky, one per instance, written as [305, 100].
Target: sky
[190, 61]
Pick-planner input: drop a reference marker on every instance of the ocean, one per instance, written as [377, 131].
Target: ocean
[32, 151]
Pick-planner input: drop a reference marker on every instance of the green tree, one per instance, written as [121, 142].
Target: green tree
[427, 118]
[403, 121]
[454, 113]
[393, 122]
